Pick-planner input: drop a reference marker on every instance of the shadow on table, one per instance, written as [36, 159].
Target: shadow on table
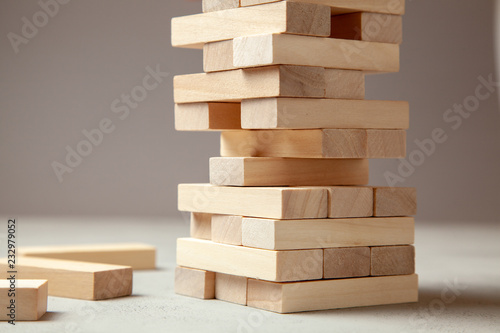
[51, 316]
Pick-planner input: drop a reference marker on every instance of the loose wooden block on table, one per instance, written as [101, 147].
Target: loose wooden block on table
[346, 262]
[327, 233]
[284, 17]
[76, 279]
[271, 202]
[194, 283]
[350, 201]
[226, 229]
[215, 5]
[306, 113]
[231, 288]
[395, 201]
[136, 255]
[392, 260]
[370, 27]
[269, 171]
[207, 116]
[314, 143]
[30, 299]
[201, 226]
[254, 263]
[332, 294]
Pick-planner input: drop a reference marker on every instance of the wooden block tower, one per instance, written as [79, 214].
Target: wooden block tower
[288, 223]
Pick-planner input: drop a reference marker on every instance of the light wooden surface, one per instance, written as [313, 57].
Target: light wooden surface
[341, 83]
[201, 226]
[328, 143]
[311, 113]
[254, 263]
[332, 294]
[231, 288]
[346, 262]
[30, 299]
[207, 116]
[395, 201]
[392, 260]
[215, 5]
[76, 279]
[327, 233]
[194, 283]
[283, 17]
[350, 201]
[218, 56]
[271, 202]
[226, 229]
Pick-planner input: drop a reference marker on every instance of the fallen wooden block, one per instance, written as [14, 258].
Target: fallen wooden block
[346, 262]
[254, 263]
[215, 5]
[29, 296]
[271, 202]
[395, 201]
[311, 113]
[392, 260]
[194, 283]
[350, 201]
[283, 17]
[332, 294]
[207, 116]
[370, 27]
[327, 143]
[201, 226]
[136, 255]
[231, 288]
[270, 171]
[326, 233]
[226, 229]
[76, 279]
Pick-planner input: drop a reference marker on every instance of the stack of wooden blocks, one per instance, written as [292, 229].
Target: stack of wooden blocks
[287, 223]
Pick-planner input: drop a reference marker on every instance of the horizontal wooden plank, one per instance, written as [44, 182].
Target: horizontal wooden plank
[30, 297]
[207, 116]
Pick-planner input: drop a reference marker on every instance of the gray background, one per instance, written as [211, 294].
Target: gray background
[66, 77]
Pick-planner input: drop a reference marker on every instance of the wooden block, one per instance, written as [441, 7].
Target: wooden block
[136, 255]
[332, 294]
[207, 116]
[346, 262]
[272, 202]
[194, 283]
[76, 279]
[201, 226]
[270, 171]
[249, 262]
[395, 201]
[346, 201]
[216, 5]
[342, 83]
[370, 27]
[218, 56]
[392, 260]
[226, 229]
[305, 113]
[30, 299]
[283, 17]
[274, 81]
[327, 143]
[265, 50]
[231, 288]
[327, 233]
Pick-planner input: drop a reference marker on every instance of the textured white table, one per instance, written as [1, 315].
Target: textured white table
[463, 256]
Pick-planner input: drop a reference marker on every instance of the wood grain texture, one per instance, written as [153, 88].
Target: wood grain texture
[218, 56]
[194, 283]
[342, 83]
[271, 202]
[395, 201]
[332, 294]
[30, 299]
[392, 260]
[283, 17]
[346, 262]
[226, 229]
[207, 116]
[254, 263]
[231, 288]
[201, 226]
[312, 113]
[216, 5]
[350, 201]
[269, 171]
[76, 279]
[327, 233]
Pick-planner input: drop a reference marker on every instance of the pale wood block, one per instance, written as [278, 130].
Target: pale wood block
[332, 294]
[370, 27]
[30, 299]
[314, 143]
[274, 81]
[395, 201]
[216, 5]
[265, 50]
[327, 233]
[76, 279]
[269, 171]
[207, 116]
[226, 229]
[283, 17]
[392, 260]
[310, 113]
[346, 201]
[194, 283]
[231, 288]
[345, 84]
[346, 262]
[136, 255]
[201, 226]
[271, 202]
[249, 262]
[218, 56]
